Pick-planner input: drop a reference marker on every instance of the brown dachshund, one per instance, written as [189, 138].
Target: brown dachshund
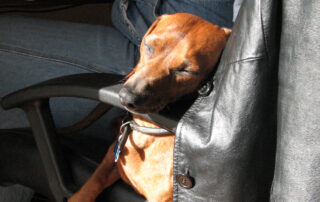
[178, 52]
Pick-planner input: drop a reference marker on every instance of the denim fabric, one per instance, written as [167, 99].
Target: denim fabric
[134, 17]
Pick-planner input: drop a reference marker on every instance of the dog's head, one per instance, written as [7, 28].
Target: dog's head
[176, 54]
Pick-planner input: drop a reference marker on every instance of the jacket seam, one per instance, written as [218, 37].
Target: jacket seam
[218, 81]
[247, 59]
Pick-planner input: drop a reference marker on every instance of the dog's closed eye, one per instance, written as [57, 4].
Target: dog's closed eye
[180, 71]
[183, 69]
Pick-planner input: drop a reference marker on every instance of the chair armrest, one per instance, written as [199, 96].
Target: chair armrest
[101, 87]
[97, 86]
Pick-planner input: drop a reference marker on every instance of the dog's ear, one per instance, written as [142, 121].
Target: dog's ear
[227, 31]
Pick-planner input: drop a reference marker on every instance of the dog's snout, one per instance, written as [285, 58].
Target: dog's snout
[130, 99]
[127, 98]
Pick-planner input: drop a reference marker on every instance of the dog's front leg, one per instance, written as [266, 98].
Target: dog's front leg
[104, 176]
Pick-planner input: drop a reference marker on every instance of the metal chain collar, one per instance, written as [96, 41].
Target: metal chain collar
[126, 129]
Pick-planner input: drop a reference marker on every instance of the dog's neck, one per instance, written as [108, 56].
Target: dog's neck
[143, 122]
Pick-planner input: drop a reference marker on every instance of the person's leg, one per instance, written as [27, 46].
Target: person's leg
[219, 12]
[34, 50]
[133, 18]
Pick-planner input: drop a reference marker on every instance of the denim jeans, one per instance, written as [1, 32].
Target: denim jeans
[134, 17]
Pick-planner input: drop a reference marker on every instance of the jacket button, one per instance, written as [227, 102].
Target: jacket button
[206, 89]
[185, 181]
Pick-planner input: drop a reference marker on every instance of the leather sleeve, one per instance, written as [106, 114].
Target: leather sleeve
[297, 170]
[227, 139]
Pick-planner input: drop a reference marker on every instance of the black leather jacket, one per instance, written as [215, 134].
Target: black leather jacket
[256, 136]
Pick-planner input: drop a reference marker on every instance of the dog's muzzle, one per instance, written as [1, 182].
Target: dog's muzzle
[130, 99]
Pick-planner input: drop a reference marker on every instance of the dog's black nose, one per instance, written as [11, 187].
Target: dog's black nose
[130, 99]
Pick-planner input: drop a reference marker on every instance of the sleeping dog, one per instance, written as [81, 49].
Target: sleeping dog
[177, 53]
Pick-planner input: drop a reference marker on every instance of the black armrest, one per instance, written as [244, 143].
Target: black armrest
[96, 86]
